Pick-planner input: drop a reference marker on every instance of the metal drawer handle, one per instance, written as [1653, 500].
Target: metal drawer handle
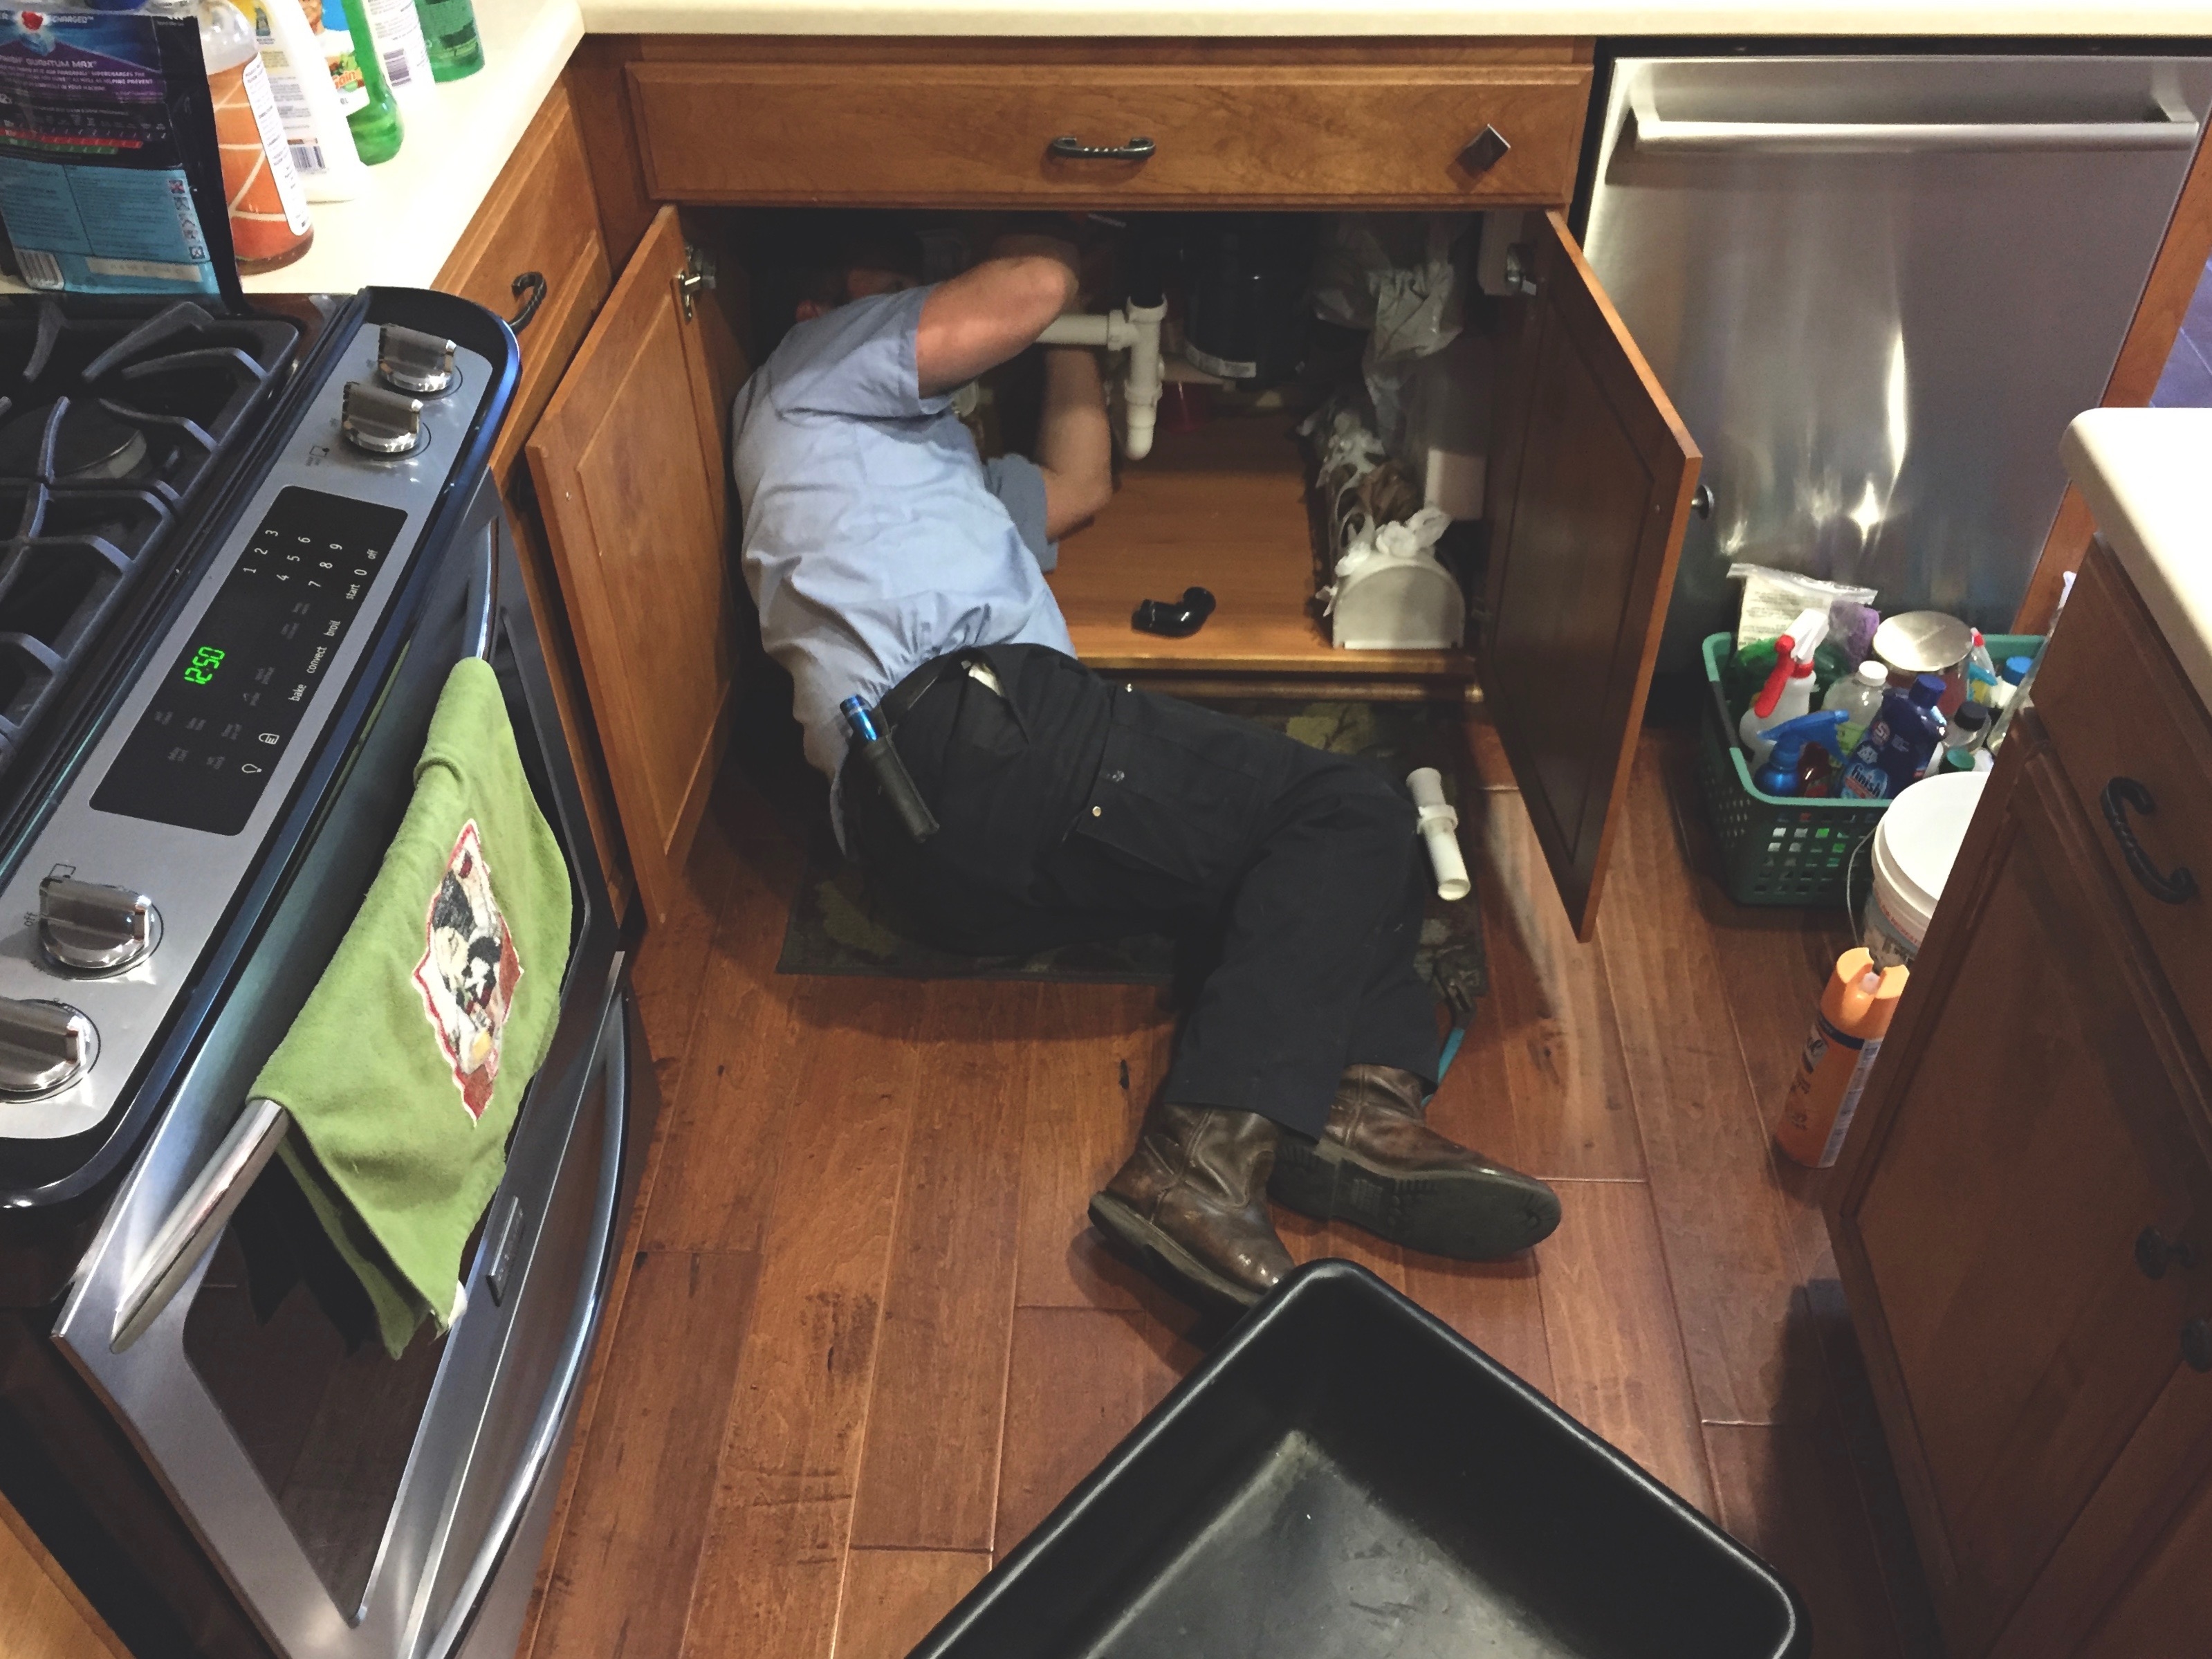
[531, 283]
[1066, 149]
[2196, 1345]
[2155, 1253]
[2118, 795]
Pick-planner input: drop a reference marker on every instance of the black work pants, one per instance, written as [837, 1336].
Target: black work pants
[1074, 809]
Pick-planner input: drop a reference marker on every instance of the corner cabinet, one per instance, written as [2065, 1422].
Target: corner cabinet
[2023, 1219]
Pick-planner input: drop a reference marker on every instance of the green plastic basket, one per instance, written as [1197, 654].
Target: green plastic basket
[1776, 849]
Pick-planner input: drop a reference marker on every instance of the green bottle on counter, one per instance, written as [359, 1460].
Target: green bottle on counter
[449, 30]
[363, 93]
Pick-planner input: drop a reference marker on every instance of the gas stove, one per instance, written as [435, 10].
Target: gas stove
[108, 425]
[212, 512]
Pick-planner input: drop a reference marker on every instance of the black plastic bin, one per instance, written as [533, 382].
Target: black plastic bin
[1347, 1476]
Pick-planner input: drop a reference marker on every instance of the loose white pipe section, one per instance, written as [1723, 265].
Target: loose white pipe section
[1137, 331]
[1439, 826]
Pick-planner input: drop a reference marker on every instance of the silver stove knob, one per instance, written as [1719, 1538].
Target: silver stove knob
[91, 928]
[43, 1046]
[413, 361]
[382, 423]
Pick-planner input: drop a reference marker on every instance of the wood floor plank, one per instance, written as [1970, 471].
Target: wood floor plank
[769, 1575]
[1787, 1491]
[719, 1131]
[638, 1512]
[1496, 1305]
[893, 1598]
[929, 1479]
[1774, 963]
[43, 1614]
[1573, 1111]
[1610, 1329]
[670, 971]
[1308, 1240]
[1079, 1380]
[1100, 1052]
[1706, 1149]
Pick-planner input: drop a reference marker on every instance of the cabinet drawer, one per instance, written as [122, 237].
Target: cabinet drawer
[2118, 708]
[541, 217]
[1303, 133]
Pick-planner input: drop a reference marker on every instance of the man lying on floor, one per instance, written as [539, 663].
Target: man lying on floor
[889, 562]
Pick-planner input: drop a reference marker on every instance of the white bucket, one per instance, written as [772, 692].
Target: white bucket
[1914, 847]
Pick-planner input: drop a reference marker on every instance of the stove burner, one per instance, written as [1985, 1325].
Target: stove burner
[108, 423]
[90, 445]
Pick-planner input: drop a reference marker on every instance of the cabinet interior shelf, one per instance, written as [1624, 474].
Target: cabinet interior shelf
[1222, 507]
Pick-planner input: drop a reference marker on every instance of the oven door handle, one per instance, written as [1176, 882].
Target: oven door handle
[198, 1220]
[611, 1054]
[483, 596]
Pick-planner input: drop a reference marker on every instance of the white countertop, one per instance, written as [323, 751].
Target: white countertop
[1227, 18]
[400, 231]
[2147, 475]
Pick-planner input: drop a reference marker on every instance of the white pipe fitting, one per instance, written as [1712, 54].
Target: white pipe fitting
[1137, 331]
[1439, 827]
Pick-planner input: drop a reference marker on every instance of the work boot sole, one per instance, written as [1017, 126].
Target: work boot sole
[1114, 1218]
[1469, 1215]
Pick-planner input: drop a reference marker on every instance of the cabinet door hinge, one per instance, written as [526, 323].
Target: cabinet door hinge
[698, 272]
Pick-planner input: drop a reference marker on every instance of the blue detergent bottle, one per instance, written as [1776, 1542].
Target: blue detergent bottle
[1898, 744]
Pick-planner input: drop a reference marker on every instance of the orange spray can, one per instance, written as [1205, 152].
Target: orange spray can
[1847, 1032]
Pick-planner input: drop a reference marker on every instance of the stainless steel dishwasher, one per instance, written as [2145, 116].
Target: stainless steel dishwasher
[1878, 287]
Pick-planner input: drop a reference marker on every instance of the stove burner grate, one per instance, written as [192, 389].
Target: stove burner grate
[106, 428]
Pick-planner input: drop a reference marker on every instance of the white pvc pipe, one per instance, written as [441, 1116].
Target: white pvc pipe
[1439, 826]
[1136, 332]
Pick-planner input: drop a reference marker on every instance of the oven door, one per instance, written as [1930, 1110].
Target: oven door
[361, 1506]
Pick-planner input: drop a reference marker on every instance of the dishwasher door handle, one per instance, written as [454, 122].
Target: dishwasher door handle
[2173, 128]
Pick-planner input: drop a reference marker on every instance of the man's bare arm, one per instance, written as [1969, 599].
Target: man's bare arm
[979, 318]
[1075, 450]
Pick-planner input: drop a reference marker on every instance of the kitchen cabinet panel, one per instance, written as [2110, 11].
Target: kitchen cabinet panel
[630, 478]
[2120, 712]
[1356, 128]
[2009, 1155]
[1589, 490]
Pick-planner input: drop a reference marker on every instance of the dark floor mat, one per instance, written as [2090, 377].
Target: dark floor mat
[836, 926]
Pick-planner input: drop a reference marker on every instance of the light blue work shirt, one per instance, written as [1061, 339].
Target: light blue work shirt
[874, 537]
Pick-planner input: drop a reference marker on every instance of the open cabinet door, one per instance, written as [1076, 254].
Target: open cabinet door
[627, 462]
[1591, 489]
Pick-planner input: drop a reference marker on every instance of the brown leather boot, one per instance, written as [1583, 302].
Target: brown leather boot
[1193, 1198]
[1379, 1166]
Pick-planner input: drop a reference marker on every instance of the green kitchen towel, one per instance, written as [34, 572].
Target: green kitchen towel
[404, 1071]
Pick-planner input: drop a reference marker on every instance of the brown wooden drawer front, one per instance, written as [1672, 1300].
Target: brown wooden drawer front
[541, 216]
[890, 133]
[2118, 706]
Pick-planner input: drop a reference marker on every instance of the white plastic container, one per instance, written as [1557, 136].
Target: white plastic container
[1915, 845]
[323, 152]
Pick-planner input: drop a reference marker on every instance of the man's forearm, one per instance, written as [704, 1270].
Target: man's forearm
[977, 320]
[1075, 448]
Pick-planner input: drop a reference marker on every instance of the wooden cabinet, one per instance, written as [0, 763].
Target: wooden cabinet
[629, 460]
[2022, 1215]
[1281, 125]
[1588, 495]
[534, 254]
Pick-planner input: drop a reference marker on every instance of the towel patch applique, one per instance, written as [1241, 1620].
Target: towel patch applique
[469, 970]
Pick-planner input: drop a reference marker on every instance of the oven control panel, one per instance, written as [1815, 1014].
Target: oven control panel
[202, 751]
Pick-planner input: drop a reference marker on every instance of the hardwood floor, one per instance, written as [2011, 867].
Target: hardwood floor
[869, 1340]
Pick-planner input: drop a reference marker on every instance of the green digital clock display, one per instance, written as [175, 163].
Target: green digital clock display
[200, 671]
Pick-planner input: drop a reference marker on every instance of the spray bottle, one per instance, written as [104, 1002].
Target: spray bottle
[1779, 776]
[1788, 693]
[1848, 1028]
